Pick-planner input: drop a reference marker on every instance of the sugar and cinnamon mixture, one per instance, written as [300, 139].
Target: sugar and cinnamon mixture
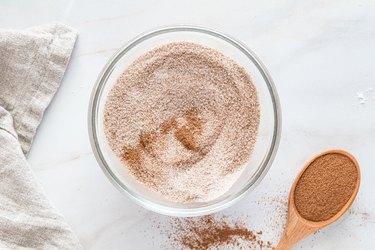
[184, 119]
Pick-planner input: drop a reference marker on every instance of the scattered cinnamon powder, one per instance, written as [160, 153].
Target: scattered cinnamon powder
[194, 122]
[183, 118]
[132, 155]
[325, 187]
[167, 125]
[209, 232]
[186, 137]
[147, 139]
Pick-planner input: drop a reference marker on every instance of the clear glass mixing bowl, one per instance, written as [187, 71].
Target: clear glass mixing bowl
[269, 127]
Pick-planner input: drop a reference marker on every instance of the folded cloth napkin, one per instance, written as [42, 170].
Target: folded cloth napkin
[32, 64]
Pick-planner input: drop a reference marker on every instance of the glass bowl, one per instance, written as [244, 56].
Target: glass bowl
[268, 134]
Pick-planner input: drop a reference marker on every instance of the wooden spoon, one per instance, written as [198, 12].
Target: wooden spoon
[298, 228]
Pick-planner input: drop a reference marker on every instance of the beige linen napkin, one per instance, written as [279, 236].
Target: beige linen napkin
[32, 64]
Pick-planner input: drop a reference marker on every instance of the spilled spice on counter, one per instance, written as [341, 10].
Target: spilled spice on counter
[209, 232]
[325, 187]
[171, 231]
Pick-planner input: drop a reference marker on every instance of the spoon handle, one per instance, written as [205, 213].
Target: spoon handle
[295, 231]
[284, 244]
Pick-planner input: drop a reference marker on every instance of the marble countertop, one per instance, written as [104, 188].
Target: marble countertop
[321, 55]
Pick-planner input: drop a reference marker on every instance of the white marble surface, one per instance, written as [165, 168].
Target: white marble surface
[321, 55]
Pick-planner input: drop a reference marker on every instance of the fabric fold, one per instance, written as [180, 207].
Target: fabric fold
[33, 62]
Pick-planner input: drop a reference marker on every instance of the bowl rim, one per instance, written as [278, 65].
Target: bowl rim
[144, 202]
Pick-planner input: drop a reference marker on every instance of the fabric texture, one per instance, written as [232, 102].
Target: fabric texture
[32, 65]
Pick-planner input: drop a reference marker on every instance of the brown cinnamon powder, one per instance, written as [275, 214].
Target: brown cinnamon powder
[148, 141]
[167, 125]
[132, 155]
[325, 187]
[210, 232]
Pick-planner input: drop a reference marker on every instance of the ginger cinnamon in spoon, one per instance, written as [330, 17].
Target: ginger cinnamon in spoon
[325, 187]
[322, 192]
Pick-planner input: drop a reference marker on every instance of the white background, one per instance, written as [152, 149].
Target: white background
[321, 55]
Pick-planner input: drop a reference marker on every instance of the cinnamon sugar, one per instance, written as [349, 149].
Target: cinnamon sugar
[184, 120]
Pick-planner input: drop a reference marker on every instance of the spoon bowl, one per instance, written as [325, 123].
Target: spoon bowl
[297, 227]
